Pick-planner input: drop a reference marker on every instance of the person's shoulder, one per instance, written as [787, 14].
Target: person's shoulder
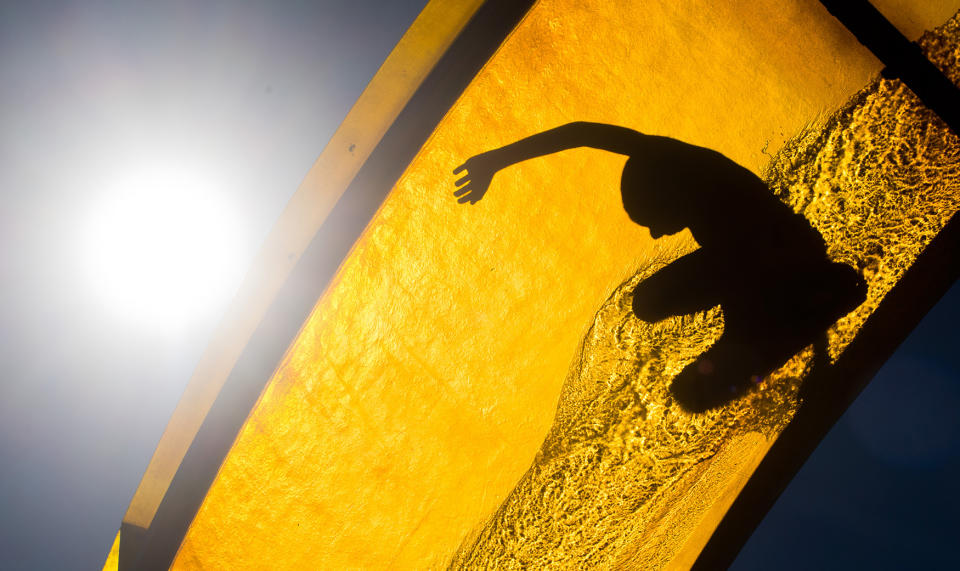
[670, 144]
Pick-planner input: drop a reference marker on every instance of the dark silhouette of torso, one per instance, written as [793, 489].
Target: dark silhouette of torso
[725, 206]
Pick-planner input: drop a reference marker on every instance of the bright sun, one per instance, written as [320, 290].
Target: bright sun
[164, 248]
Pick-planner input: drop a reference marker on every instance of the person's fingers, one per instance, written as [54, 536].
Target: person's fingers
[462, 179]
[461, 191]
[459, 168]
[471, 198]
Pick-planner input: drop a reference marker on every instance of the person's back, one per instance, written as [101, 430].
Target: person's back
[726, 207]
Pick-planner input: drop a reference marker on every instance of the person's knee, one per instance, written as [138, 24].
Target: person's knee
[647, 308]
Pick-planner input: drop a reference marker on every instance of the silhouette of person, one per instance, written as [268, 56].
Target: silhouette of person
[762, 263]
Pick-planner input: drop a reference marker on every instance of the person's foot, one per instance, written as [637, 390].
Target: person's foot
[726, 371]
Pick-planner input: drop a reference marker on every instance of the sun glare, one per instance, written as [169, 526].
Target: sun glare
[163, 248]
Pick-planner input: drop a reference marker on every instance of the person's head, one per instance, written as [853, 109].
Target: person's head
[648, 203]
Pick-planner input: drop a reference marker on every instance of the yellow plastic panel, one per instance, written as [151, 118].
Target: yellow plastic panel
[421, 417]
[913, 18]
[385, 96]
[625, 480]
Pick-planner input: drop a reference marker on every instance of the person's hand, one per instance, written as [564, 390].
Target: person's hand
[474, 184]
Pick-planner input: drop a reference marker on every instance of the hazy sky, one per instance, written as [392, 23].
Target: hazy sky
[250, 92]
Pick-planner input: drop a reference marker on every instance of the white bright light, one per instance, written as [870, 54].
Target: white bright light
[164, 248]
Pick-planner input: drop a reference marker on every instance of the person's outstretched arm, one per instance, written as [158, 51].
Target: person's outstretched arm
[481, 168]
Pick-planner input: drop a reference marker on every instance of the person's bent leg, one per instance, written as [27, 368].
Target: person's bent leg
[685, 286]
[764, 327]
